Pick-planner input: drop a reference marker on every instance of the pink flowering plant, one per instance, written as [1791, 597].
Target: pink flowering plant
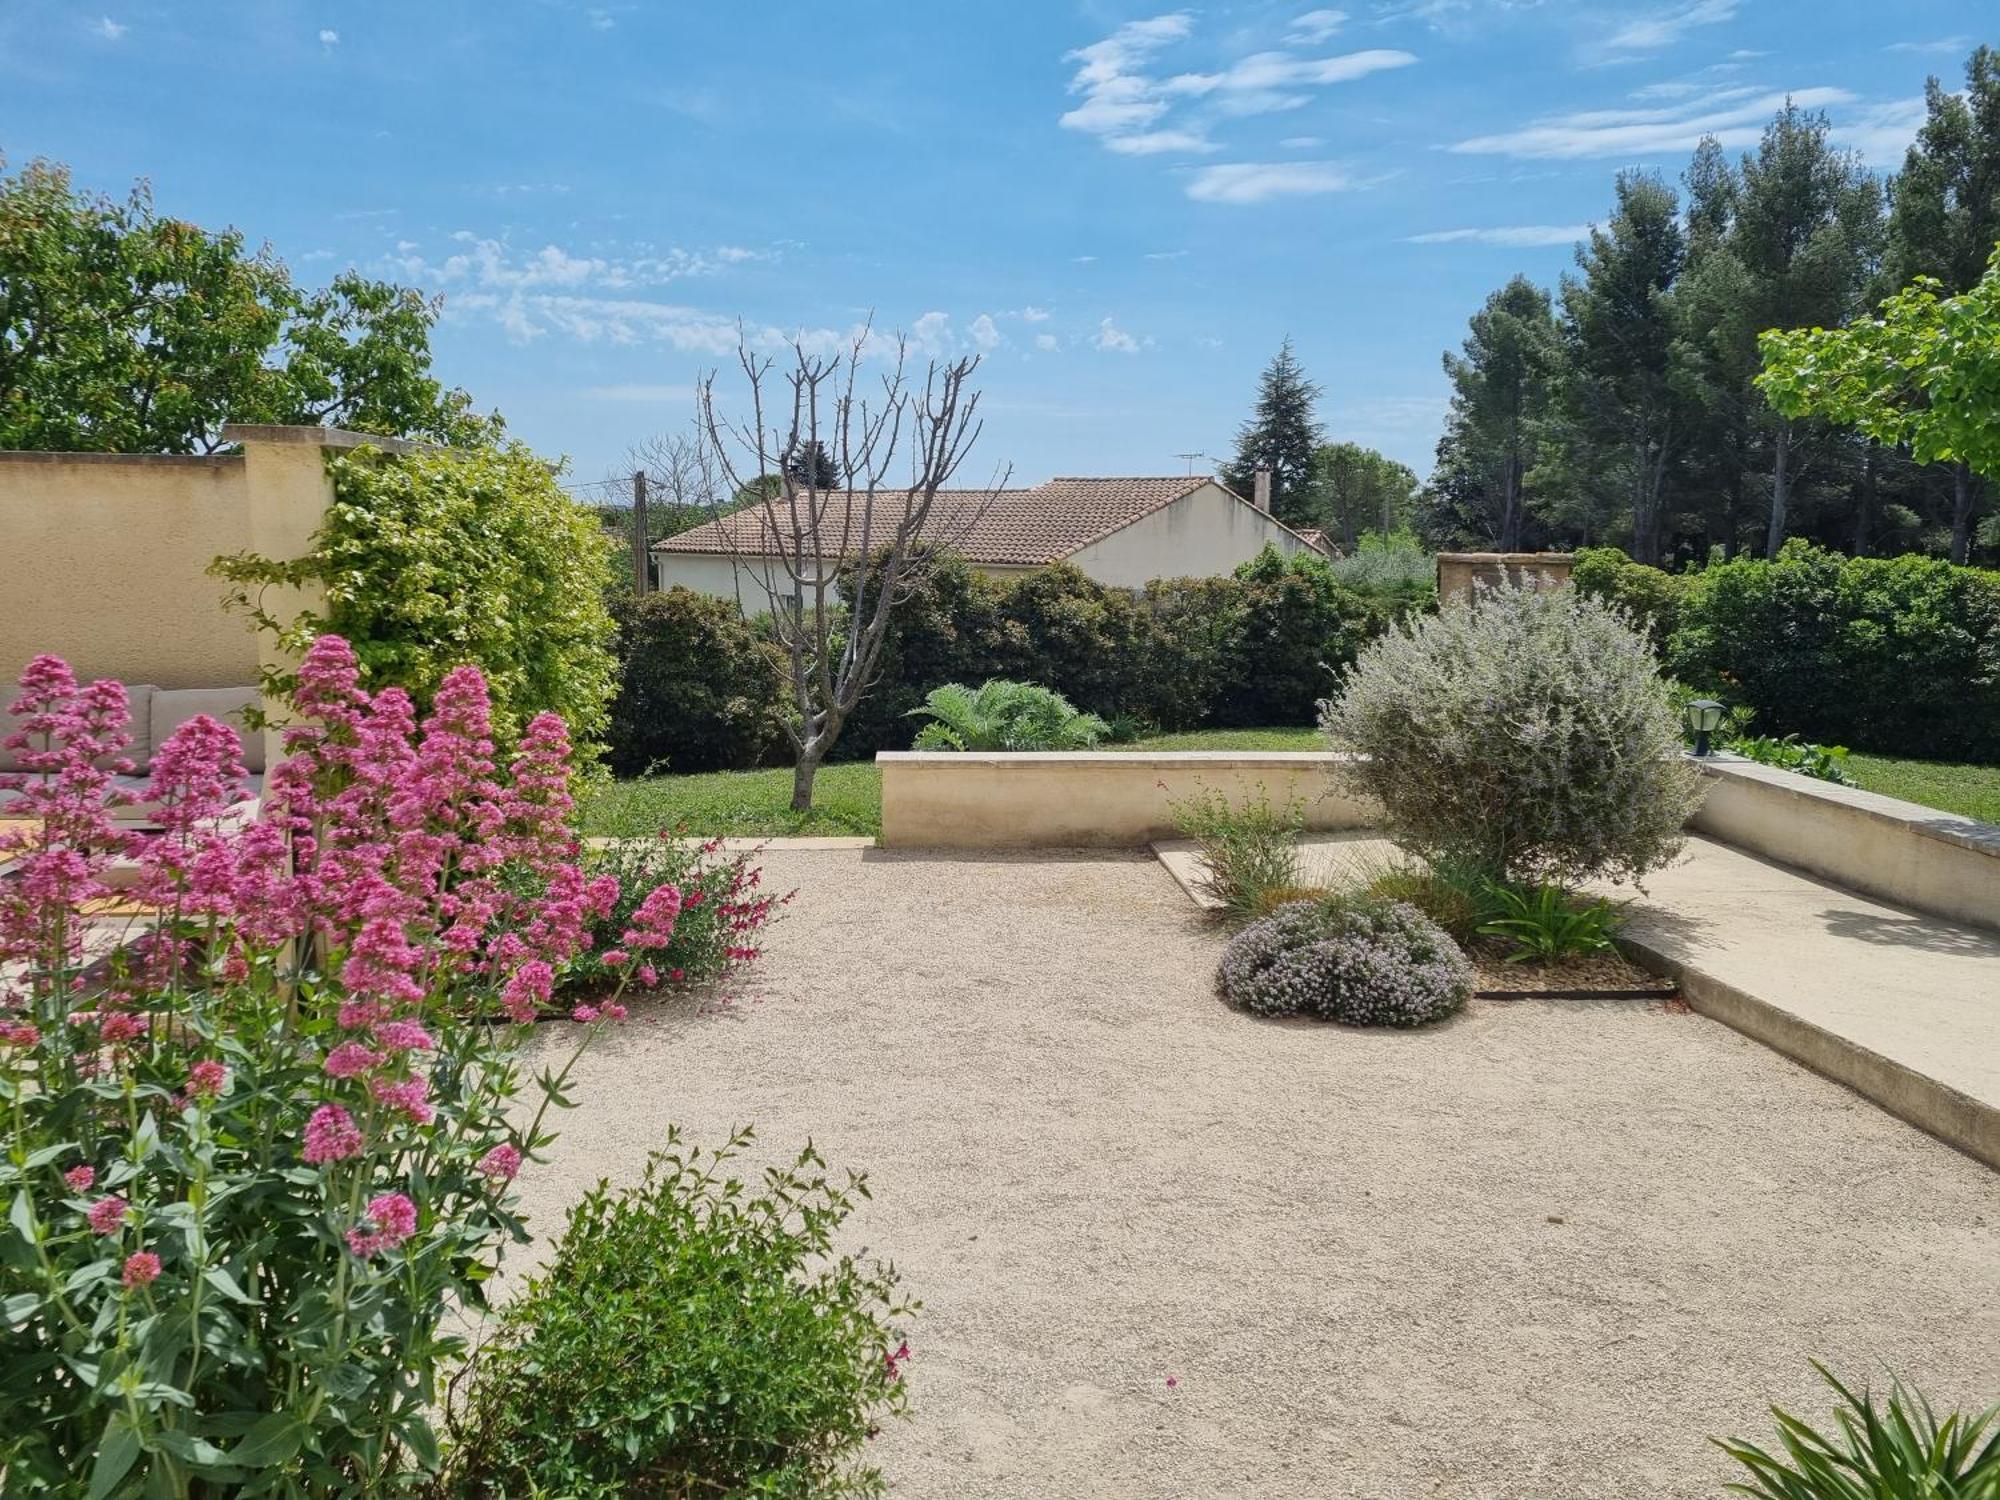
[724, 907]
[262, 1128]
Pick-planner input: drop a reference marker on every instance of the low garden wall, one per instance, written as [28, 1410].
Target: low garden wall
[1880, 846]
[942, 799]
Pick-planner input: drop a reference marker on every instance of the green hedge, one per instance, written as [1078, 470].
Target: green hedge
[438, 558]
[1258, 648]
[699, 689]
[1896, 655]
[1650, 597]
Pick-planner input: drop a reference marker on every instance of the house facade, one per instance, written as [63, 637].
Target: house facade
[1122, 532]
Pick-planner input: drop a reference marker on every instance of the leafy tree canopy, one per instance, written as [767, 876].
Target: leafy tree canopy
[125, 331]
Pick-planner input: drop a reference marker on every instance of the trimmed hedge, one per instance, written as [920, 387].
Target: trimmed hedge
[1651, 597]
[1896, 655]
[1259, 648]
[699, 689]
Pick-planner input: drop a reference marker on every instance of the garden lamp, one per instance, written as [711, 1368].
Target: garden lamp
[1704, 717]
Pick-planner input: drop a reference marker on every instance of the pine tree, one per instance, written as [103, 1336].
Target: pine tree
[1501, 386]
[1360, 490]
[1280, 434]
[1618, 335]
[1944, 215]
[811, 466]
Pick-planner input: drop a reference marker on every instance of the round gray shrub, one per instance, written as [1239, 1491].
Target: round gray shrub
[1383, 964]
[1526, 733]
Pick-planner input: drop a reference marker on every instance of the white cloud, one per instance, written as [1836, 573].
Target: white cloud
[600, 20]
[1949, 44]
[494, 264]
[1034, 314]
[1315, 26]
[1512, 234]
[931, 334]
[328, 37]
[1154, 142]
[665, 394]
[109, 29]
[1735, 117]
[985, 334]
[1881, 133]
[1166, 254]
[1663, 28]
[1047, 342]
[1255, 181]
[1127, 106]
[1301, 142]
[1110, 336]
[1082, 260]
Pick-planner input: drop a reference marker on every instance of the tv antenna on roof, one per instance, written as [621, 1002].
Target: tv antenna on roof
[1190, 458]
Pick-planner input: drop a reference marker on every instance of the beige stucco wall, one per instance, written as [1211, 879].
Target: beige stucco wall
[1880, 846]
[942, 799]
[103, 561]
[746, 580]
[1204, 534]
[1459, 573]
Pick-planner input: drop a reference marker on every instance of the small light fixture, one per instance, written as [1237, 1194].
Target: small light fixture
[1704, 717]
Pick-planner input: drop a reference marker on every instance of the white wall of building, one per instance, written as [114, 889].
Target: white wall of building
[1204, 534]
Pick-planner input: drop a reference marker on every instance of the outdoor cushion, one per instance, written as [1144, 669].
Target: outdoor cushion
[173, 707]
[139, 696]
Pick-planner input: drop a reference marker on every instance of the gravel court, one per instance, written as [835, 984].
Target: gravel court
[1543, 1250]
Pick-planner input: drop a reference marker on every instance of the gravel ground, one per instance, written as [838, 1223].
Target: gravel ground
[1542, 1251]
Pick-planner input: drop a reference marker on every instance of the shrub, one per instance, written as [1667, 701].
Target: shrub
[439, 559]
[1821, 762]
[1393, 571]
[1084, 640]
[1649, 597]
[1299, 629]
[1546, 924]
[1453, 895]
[1193, 641]
[1004, 715]
[724, 910]
[1900, 656]
[699, 689]
[1899, 1451]
[259, 1162]
[691, 1337]
[1247, 852]
[1526, 734]
[1363, 963]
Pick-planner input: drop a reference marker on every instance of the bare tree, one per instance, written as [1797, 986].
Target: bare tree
[801, 536]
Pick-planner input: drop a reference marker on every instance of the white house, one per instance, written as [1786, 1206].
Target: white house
[1121, 532]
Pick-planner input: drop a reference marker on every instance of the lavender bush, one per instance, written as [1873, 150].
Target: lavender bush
[1525, 734]
[1357, 962]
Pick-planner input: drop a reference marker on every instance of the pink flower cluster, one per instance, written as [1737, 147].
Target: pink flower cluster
[390, 1220]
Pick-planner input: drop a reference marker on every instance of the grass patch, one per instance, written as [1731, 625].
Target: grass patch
[1969, 791]
[1229, 739]
[847, 799]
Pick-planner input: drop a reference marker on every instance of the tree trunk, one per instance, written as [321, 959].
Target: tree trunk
[1962, 491]
[802, 776]
[1510, 507]
[1864, 503]
[1781, 488]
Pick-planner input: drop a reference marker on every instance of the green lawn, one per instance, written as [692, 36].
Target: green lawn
[1230, 739]
[847, 799]
[1970, 791]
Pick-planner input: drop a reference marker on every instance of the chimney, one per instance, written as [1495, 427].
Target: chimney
[1260, 494]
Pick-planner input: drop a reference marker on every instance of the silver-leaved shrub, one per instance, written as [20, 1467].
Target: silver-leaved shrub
[1363, 963]
[1528, 734]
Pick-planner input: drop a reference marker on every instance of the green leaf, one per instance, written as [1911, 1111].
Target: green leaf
[272, 1439]
[117, 1451]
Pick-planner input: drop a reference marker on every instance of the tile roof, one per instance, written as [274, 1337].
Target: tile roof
[1029, 526]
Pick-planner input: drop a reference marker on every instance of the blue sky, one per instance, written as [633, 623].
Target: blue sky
[1125, 207]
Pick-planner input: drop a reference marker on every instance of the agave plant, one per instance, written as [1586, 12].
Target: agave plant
[1004, 715]
[1897, 1452]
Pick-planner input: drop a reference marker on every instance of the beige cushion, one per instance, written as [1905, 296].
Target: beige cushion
[138, 696]
[173, 707]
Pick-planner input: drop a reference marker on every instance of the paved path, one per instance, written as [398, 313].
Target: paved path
[1539, 1252]
[1903, 1008]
